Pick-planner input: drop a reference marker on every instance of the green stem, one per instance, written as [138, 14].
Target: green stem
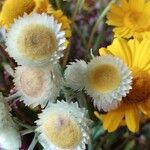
[77, 8]
[80, 35]
[103, 14]
[82, 100]
[58, 4]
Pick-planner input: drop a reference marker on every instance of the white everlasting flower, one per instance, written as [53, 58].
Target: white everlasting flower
[37, 86]
[9, 134]
[106, 79]
[35, 40]
[63, 126]
[75, 74]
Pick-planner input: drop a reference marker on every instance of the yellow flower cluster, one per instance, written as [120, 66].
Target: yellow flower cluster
[11, 10]
[130, 19]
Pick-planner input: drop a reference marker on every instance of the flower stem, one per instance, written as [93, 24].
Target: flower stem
[80, 34]
[58, 4]
[34, 141]
[77, 8]
[12, 97]
[26, 131]
[103, 14]
[23, 125]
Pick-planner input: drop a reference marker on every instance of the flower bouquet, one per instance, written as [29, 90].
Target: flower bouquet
[75, 75]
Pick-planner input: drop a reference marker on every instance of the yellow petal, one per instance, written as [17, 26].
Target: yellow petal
[113, 119]
[124, 5]
[123, 32]
[114, 19]
[146, 107]
[137, 5]
[119, 48]
[132, 117]
[13, 8]
[117, 10]
[99, 116]
[143, 54]
[41, 6]
[104, 51]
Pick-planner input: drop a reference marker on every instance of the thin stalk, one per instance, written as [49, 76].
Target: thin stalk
[103, 14]
[77, 8]
[34, 142]
[26, 131]
[12, 97]
[8, 68]
[82, 100]
[58, 4]
[23, 125]
[80, 34]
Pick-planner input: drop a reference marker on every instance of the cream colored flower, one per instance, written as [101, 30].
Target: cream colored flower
[63, 126]
[105, 78]
[9, 134]
[35, 40]
[37, 86]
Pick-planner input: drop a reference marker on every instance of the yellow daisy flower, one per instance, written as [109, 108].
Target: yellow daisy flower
[12, 9]
[130, 18]
[137, 103]
[66, 23]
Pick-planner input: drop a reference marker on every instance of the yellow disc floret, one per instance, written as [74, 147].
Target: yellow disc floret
[62, 131]
[104, 78]
[36, 42]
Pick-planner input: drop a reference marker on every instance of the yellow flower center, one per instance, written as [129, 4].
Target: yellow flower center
[140, 88]
[62, 131]
[31, 81]
[137, 20]
[104, 78]
[37, 42]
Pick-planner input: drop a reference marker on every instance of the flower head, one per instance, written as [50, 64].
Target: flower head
[74, 74]
[9, 133]
[37, 86]
[106, 79]
[130, 18]
[63, 126]
[35, 40]
[13, 9]
[137, 102]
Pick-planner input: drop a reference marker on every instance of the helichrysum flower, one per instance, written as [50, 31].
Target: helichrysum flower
[74, 74]
[106, 79]
[12, 9]
[37, 86]
[9, 134]
[35, 40]
[137, 103]
[63, 126]
[130, 18]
